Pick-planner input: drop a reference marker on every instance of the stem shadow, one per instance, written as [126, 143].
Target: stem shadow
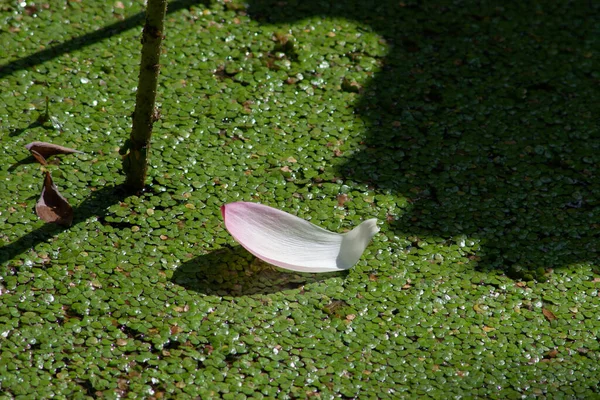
[88, 39]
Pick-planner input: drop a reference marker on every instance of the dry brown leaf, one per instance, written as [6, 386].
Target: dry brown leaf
[48, 149]
[175, 329]
[342, 199]
[52, 206]
[551, 354]
[548, 314]
[39, 157]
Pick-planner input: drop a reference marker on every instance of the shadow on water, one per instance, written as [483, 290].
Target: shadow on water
[88, 39]
[24, 161]
[95, 205]
[35, 124]
[232, 271]
[485, 117]
[100, 200]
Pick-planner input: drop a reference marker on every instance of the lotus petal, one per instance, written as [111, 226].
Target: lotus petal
[292, 243]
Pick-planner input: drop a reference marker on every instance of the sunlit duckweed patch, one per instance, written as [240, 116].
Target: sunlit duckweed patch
[469, 131]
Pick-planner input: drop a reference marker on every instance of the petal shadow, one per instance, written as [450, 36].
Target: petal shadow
[232, 271]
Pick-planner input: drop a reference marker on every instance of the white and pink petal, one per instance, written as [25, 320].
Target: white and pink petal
[292, 243]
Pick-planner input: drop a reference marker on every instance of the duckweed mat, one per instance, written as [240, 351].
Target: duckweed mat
[468, 128]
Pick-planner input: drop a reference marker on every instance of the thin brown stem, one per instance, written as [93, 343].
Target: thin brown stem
[137, 148]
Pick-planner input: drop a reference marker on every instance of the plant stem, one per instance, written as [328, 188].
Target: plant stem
[135, 161]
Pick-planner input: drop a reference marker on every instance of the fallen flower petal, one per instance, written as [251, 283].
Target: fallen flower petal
[292, 243]
[52, 206]
[48, 149]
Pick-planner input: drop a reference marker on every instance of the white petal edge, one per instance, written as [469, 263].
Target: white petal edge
[292, 243]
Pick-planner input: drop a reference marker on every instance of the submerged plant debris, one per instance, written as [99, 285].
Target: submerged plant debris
[468, 128]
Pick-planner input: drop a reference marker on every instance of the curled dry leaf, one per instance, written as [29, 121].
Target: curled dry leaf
[48, 149]
[52, 206]
[39, 157]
